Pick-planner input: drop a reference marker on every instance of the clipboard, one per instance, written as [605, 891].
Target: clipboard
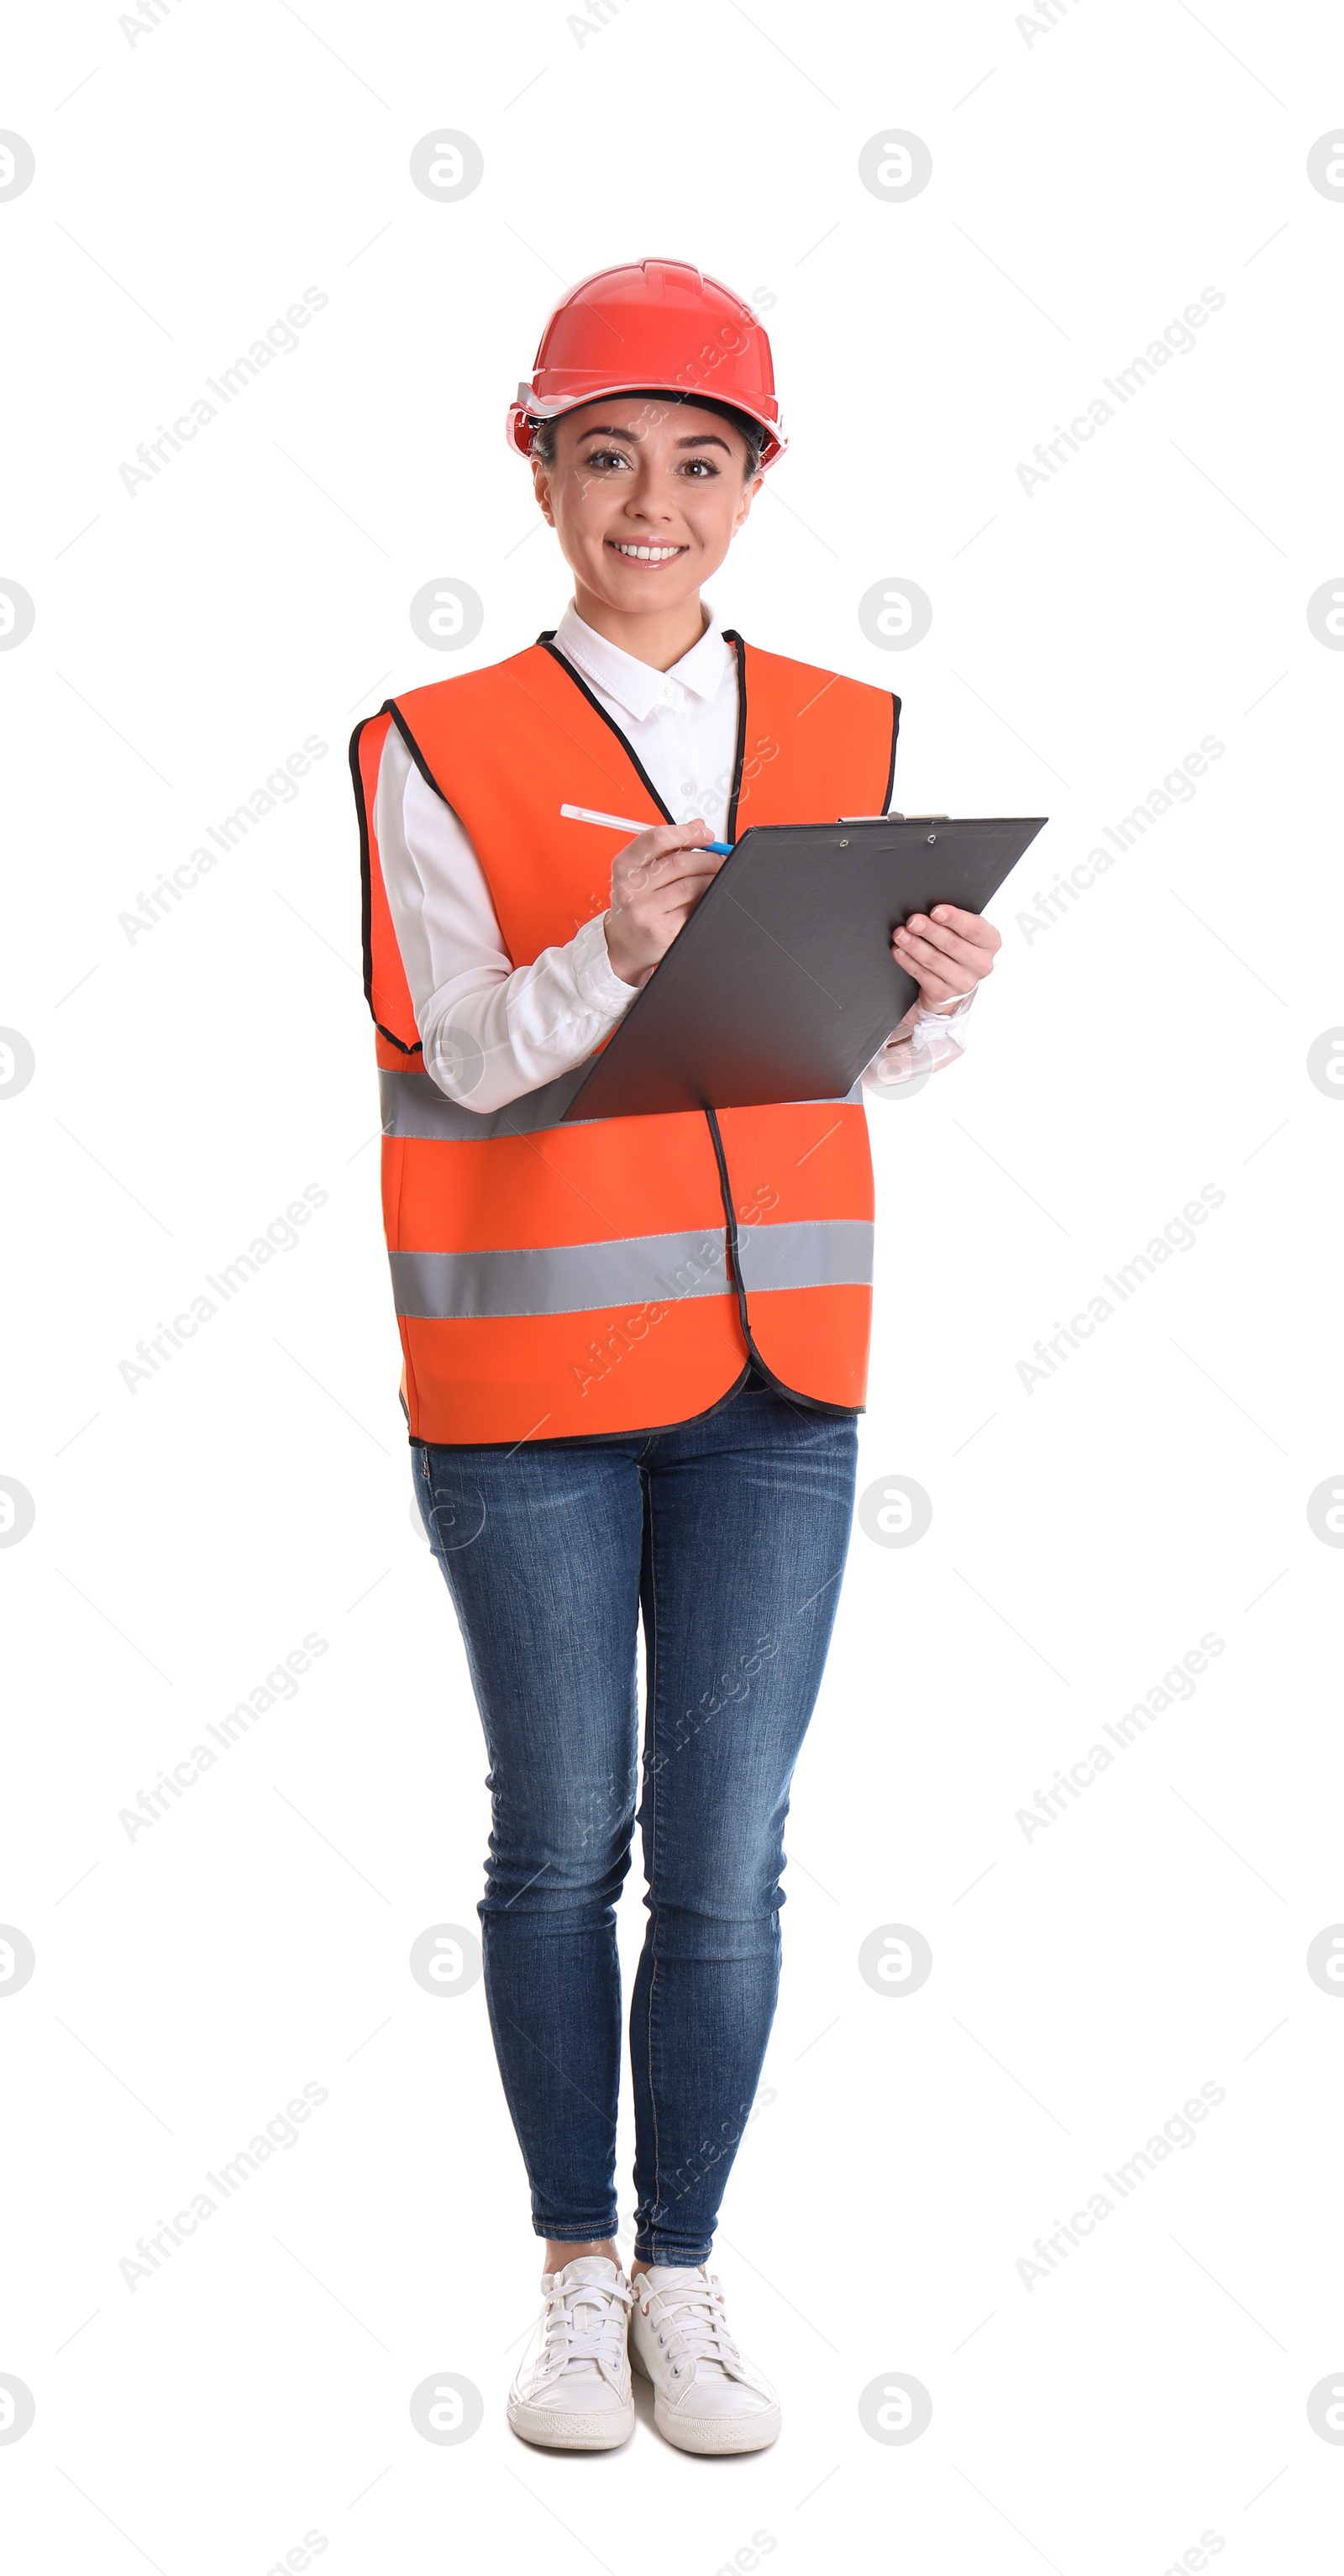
[782, 984]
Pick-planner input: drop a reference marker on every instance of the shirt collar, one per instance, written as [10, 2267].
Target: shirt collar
[636, 686]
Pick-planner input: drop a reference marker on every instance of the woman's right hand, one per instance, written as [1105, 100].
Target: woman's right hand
[656, 882]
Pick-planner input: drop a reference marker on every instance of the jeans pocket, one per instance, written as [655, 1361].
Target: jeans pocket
[452, 1504]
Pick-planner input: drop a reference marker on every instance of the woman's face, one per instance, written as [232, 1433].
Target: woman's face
[645, 499]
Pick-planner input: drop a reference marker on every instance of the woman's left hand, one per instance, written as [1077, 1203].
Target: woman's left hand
[948, 951]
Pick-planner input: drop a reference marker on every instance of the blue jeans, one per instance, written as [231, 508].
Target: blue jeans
[730, 1535]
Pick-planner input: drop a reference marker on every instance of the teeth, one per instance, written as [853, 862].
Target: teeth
[648, 554]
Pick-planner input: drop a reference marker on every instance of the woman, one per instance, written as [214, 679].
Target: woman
[635, 1349]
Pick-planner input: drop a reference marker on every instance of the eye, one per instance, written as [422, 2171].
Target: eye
[602, 457]
[701, 467]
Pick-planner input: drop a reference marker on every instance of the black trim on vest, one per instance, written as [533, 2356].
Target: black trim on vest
[366, 890]
[390, 708]
[365, 863]
[812, 1403]
[730, 1223]
[731, 636]
[891, 765]
[548, 645]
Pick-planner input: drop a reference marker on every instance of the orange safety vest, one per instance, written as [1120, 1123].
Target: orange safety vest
[573, 1281]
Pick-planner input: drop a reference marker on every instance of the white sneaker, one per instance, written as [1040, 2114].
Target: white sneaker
[572, 2392]
[705, 2396]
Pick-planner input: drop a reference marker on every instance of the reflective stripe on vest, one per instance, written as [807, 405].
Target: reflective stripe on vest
[569, 1281]
[413, 1105]
[644, 1270]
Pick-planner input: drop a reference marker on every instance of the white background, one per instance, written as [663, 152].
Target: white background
[1087, 184]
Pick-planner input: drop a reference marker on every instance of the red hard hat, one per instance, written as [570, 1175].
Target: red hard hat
[656, 325]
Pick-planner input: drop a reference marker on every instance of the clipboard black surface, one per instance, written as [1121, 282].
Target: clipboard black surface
[782, 985]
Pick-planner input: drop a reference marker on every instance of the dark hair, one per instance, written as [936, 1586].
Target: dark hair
[543, 431]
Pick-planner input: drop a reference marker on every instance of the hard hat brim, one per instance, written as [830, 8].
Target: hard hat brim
[532, 408]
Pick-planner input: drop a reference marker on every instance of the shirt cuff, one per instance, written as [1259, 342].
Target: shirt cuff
[922, 1044]
[924, 1022]
[594, 977]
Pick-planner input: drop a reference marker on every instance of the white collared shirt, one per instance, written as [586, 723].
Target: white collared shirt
[532, 1023]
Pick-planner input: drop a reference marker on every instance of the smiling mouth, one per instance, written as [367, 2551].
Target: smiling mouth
[645, 554]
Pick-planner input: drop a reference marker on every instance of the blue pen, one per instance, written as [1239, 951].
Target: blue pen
[623, 823]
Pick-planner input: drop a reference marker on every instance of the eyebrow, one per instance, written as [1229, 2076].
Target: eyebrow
[632, 437]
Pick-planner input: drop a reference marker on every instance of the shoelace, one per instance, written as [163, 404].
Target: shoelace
[602, 2343]
[695, 2322]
